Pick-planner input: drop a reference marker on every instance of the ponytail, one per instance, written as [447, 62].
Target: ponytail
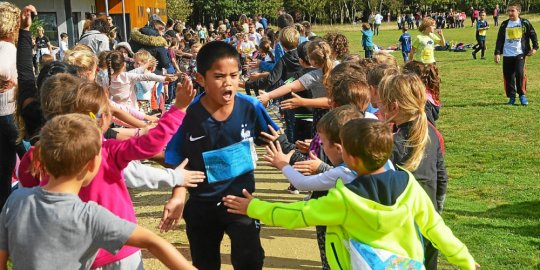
[109, 68]
[417, 141]
[115, 62]
[321, 54]
[408, 91]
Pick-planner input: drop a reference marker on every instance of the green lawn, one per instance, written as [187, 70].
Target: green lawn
[492, 152]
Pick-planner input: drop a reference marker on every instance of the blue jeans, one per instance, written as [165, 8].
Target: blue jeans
[8, 158]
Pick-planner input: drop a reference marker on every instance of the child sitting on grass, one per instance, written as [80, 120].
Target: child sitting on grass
[53, 219]
[381, 209]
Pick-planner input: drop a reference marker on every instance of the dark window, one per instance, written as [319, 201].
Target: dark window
[50, 26]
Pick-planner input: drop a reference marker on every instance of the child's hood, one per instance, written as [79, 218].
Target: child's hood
[374, 211]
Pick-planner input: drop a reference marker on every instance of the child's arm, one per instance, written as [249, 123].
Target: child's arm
[163, 250]
[295, 86]
[328, 210]
[298, 101]
[138, 175]
[534, 40]
[126, 118]
[433, 227]
[319, 182]
[442, 180]
[143, 147]
[4, 255]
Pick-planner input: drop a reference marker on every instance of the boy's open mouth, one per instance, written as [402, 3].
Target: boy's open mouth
[227, 94]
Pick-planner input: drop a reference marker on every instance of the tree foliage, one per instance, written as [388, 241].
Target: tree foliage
[331, 11]
[179, 9]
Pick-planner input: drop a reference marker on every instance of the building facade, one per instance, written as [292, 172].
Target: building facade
[61, 16]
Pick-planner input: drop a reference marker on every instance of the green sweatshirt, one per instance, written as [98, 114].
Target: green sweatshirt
[349, 215]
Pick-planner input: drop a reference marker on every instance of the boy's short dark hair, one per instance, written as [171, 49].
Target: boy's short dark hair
[214, 51]
[63, 35]
[370, 140]
[515, 4]
[285, 20]
[331, 123]
[67, 143]
[303, 52]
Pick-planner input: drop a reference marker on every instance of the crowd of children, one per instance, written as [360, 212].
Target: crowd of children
[359, 134]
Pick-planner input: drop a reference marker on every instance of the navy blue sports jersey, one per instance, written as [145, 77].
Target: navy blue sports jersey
[201, 136]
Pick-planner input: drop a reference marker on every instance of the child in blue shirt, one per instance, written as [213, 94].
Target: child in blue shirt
[367, 40]
[217, 136]
[405, 41]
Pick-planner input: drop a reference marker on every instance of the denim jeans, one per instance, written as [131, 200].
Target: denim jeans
[8, 152]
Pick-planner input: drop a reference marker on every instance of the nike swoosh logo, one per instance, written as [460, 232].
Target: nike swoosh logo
[191, 139]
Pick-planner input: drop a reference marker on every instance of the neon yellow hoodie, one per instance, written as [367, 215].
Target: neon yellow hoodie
[349, 215]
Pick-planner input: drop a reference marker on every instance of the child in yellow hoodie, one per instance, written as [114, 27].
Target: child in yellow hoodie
[384, 210]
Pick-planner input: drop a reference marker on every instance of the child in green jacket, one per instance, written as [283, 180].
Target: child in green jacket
[381, 209]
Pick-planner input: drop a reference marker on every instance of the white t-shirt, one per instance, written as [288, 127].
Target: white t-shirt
[378, 18]
[513, 35]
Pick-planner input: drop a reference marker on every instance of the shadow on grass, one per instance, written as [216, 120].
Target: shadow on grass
[528, 210]
[521, 210]
[478, 104]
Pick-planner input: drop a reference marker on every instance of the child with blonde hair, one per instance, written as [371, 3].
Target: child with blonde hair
[423, 45]
[416, 144]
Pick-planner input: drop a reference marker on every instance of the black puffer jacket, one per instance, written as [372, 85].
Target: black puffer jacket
[149, 39]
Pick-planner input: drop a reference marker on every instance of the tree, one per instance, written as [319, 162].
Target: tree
[179, 9]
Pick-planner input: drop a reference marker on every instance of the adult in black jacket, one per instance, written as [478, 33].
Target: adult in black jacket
[150, 39]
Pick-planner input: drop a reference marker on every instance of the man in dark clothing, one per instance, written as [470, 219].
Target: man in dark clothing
[150, 39]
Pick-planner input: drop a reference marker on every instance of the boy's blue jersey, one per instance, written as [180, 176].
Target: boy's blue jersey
[200, 133]
[405, 40]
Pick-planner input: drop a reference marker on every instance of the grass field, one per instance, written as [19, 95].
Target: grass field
[492, 157]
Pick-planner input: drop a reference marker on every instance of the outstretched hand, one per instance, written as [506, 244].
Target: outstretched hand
[26, 17]
[275, 155]
[238, 205]
[264, 98]
[272, 136]
[292, 103]
[308, 167]
[191, 178]
[184, 94]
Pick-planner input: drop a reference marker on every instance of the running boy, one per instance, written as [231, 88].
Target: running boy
[405, 42]
[514, 43]
[217, 137]
[50, 227]
[481, 28]
[381, 209]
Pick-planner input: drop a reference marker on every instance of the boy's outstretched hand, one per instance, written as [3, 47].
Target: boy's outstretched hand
[184, 94]
[238, 205]
[272, 136]
[275, 155]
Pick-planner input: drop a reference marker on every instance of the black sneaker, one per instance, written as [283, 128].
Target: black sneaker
[293, 190]
[473, 55]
